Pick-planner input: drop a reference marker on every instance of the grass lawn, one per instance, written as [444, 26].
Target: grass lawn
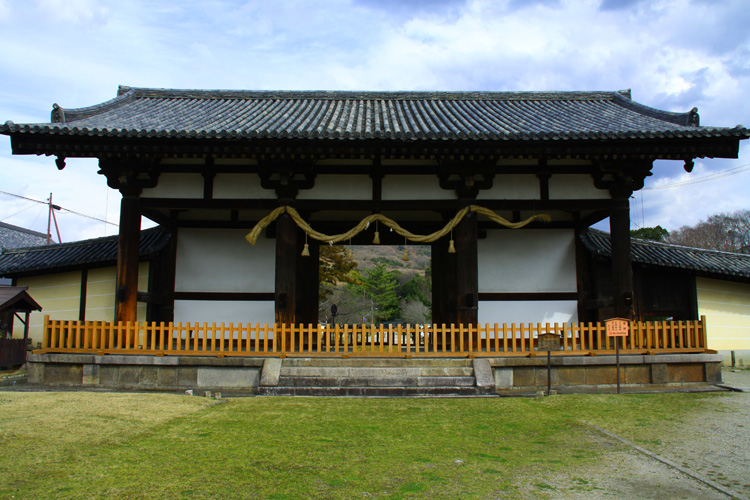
[156, 446]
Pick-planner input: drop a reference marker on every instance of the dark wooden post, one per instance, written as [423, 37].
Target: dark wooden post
[308, 282]
[83, 293]
[26, 327]
[286, 270]
[467, 276]
[622, 271]
[128, 242]
[443, 284]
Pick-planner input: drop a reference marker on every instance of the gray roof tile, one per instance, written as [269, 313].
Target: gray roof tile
[16, 237]
[97, 252]
[432, 116]
[705, 262]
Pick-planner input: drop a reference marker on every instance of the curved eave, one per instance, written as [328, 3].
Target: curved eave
[64, 131]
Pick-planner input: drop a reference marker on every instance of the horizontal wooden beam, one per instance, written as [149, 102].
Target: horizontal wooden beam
[227, 296]
[526, 296]
[367, 169]
[375, 206]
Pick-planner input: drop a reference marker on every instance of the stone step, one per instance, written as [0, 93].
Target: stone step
[373, 391]
[378, 372]
[378, 362]
[403, 381]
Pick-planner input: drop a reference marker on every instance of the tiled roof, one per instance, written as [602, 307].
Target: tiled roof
[16, 237]
[405, 116]
[17, 298]
[734, 266]
[59, 257]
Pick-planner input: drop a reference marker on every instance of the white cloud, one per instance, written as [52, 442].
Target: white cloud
[674, 54]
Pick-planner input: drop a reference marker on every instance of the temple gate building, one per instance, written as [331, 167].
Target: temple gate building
[500, 184]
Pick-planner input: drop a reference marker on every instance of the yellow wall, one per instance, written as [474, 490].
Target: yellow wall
[726, 306]
[59, 296]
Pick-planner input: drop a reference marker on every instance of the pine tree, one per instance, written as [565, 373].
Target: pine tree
[379, 286]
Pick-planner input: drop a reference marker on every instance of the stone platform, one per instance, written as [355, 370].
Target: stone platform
[385, 377]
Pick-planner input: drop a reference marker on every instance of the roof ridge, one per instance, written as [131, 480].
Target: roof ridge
[146, 92]
[64, 115]
[687, 118]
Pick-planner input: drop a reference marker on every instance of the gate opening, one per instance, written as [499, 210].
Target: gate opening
[375, 284]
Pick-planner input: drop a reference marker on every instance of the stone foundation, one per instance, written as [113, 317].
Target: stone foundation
[168, 373]
[516, 375]
[504, 376]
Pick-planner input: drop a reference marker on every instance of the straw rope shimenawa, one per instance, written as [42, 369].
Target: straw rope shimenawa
[364, 224]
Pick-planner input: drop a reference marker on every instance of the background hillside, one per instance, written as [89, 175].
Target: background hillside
[410, 280]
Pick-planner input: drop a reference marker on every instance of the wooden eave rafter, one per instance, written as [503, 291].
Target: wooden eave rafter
[74, 147]
[370, 205]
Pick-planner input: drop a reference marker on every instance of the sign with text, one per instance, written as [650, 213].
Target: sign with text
[548, 342]
[617, 327]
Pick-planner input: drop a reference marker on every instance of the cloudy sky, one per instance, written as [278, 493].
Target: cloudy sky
[673, 54]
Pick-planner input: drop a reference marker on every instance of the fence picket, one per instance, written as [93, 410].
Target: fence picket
[336, 340]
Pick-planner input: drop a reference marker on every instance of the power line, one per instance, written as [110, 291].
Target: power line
[57, 207]
[705, 178]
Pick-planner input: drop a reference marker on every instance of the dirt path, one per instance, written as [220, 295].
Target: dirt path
[720, 453]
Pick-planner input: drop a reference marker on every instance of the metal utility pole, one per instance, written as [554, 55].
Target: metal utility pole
[51, 217]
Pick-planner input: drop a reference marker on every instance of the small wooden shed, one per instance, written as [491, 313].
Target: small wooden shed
[14, 300]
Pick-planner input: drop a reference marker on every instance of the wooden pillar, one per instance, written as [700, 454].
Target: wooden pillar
[308, 282]
[443, 284]
[128, 242]
[622, 271]
[25, 326]
[467, 276]
[83, 293]
[286, 270]
[161, 279]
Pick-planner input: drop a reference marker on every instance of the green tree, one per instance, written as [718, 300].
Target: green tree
[417, 288]
[657, 233]
[378, 285]
[337, 266]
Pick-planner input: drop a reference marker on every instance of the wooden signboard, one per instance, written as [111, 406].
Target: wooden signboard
[617, 327]
[548, 342]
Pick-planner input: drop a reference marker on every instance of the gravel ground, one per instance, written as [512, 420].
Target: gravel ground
[720, 453]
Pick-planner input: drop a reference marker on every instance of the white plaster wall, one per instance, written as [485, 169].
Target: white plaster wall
[415, 187]
[221, 260]
[339, 187]
[241, 186]
[520, 311]
[176, 186]
[215, 311]
[575, 186]
[514, 186]
[527, 260]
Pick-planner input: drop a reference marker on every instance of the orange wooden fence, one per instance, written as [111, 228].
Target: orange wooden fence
[101, 337]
